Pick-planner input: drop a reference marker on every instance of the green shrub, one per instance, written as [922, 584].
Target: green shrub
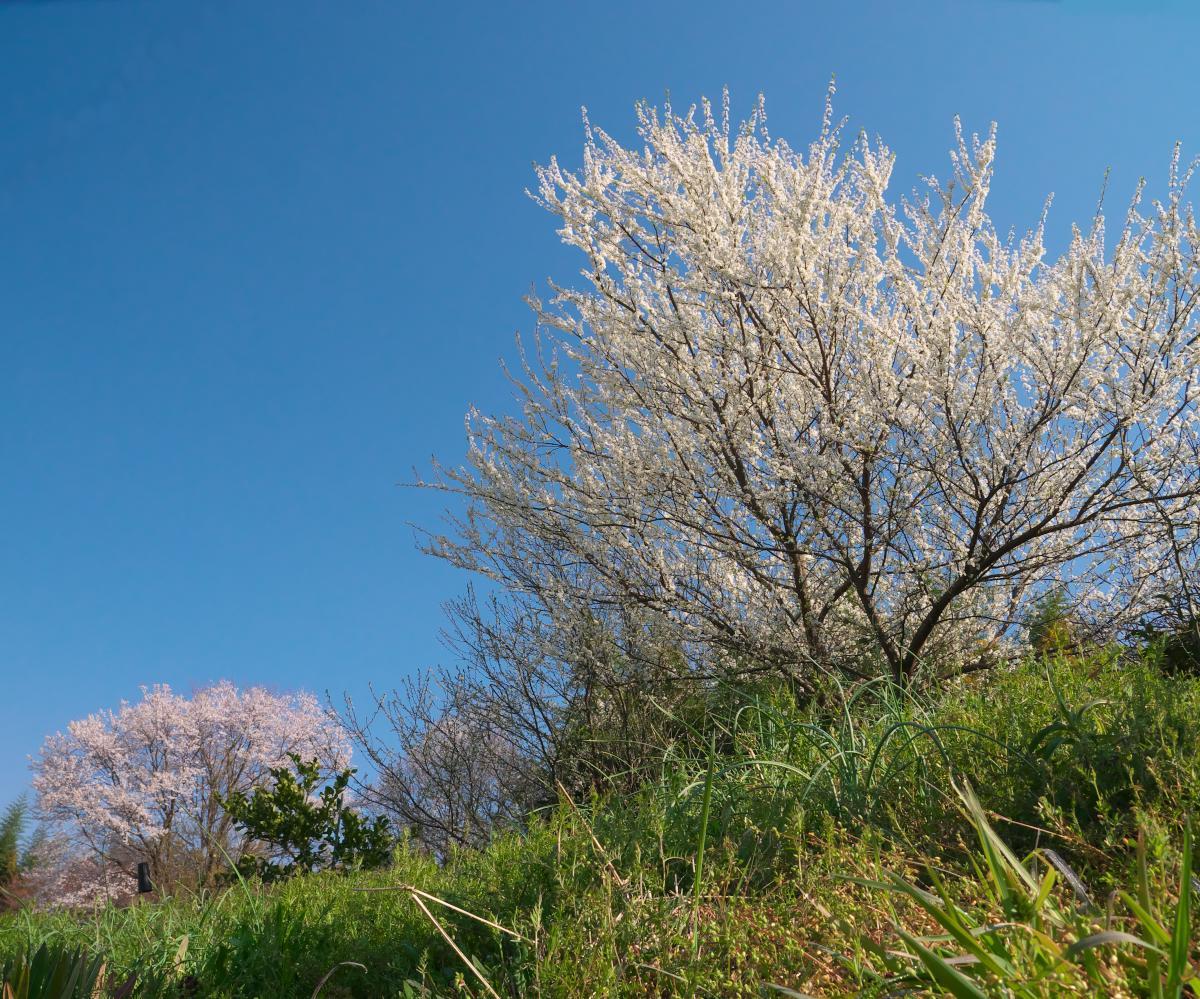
[307, 831]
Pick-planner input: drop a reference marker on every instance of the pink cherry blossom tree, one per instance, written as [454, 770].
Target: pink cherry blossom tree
[145, 782]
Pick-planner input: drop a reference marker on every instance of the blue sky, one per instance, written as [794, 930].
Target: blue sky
[258, 259]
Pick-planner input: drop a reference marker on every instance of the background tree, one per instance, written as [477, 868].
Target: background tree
[439, 767]
[146, 782]
[296, 829]
[13, 828]
[21, 849]
[818, 429]
[534, 708]
[62, 875]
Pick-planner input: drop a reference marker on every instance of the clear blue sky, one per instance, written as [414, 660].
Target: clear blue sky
[257, 260]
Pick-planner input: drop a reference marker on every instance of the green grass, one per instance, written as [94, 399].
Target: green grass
[1017, 933]
[822, 850]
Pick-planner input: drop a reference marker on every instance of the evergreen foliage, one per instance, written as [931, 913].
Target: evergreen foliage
[305, 829]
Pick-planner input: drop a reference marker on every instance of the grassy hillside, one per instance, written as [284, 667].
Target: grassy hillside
[850, 846]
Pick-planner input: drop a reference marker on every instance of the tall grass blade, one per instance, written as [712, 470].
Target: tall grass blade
[1179, 967]
[702, 840]
[944, 974]
[329, 974]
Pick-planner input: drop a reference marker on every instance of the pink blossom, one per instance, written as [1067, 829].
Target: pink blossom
[145, 782]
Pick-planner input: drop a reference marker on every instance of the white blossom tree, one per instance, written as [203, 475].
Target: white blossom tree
[826, 430]
[146, 782]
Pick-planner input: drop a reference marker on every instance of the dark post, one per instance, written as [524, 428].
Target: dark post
[144, 883]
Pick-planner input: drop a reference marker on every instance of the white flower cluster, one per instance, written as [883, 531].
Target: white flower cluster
[796, 416]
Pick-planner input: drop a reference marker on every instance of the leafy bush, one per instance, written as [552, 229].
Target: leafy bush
[306, 831]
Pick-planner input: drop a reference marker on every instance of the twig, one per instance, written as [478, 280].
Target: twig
[450, 940]
[329, 974]
[413, 890]
[622, 882]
